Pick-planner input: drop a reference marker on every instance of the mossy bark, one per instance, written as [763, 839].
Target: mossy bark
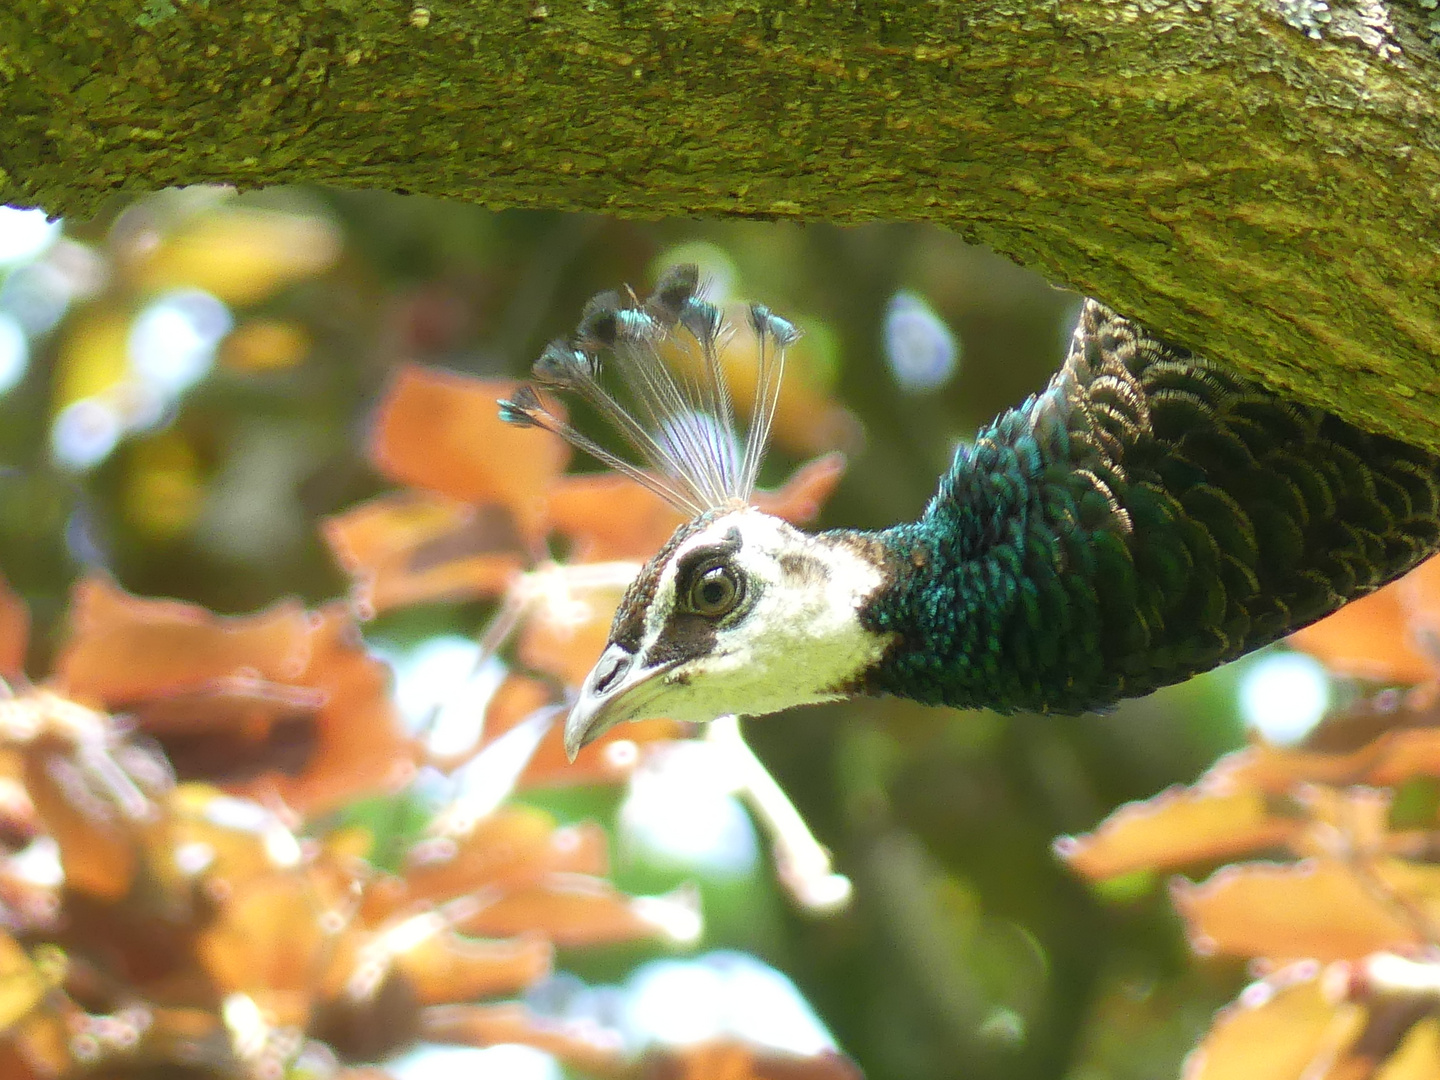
[1264, 195]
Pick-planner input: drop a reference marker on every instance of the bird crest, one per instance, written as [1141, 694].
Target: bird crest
[680, 417]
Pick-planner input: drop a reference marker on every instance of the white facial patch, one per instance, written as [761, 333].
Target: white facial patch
[795, 638]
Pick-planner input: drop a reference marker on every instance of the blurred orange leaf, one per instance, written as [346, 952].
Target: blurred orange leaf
[1420, 590]
[566, 633]
[607, 760]
[362, 746]
[97, 845]
[1177, 827]
[736, 1061]
[608, 516]
[226, 842]
[610, 758]
[1247, 802]
[1319, 908]
[442, 432]
[13, 1064]
[1393, 758]
[159, 658]
[18, 821]
[14, 631]
[409, 547]
[36, 1048]
[1284, 1028]
[447, 967]
[124, 648]
[1418, 1056]
[22, 983]
[804, 494]
[1372, 1020]
[515, 699]
[270, 941]
[571, 910]
[514, 847]
[232, 729]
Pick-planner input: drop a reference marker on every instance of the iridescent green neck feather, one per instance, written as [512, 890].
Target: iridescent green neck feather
[1147, 517]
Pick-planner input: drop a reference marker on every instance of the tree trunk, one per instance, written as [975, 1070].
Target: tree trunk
[1258, 179]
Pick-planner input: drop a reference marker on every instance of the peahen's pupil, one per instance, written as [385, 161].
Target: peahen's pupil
[715, 592]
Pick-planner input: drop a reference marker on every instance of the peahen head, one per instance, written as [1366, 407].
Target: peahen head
[740, 612]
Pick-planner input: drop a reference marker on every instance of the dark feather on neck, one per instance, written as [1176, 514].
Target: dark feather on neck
[1147, 517]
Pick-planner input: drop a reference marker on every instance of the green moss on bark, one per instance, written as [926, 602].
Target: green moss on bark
[1263, 196]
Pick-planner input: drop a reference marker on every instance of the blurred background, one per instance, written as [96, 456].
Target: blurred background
[186, 385]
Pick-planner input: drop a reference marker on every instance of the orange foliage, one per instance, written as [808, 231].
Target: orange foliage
[607, 516]
[410, 547]
[122, 648]
[14, 631]
[1346, 910]
[180, 762]
[732, 1061]
[442, 432]
[217, 925]
[289, 702]
[515, 847]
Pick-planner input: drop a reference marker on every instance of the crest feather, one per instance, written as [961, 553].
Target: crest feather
[681, 418]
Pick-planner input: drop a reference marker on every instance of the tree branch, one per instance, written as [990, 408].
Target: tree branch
[1269, 197]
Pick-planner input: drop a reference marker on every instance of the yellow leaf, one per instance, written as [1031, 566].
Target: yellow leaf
[22, 982]
[240, 256]
[94, 356]
[265, 345]
[1419, 1055]
[1283, 1028]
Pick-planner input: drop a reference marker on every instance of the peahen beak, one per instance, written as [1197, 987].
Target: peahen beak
[618, 688]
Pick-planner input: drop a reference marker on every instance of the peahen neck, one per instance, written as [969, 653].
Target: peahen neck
[1147, 517]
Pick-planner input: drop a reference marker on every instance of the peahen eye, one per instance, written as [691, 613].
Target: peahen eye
[715, 592]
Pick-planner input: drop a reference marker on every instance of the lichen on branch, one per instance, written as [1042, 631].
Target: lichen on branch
[1260, 190]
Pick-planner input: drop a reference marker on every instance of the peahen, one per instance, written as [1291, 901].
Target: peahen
[1148, 516]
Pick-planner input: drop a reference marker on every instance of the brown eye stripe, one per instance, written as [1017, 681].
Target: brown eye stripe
[687, 635]
[628, 630]
[684, 636]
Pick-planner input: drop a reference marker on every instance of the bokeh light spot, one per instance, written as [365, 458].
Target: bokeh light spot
[441, 690]
[921, 350]
[680, 812]
[172, 343]
[84, 433]
[429, 1061]
[14, 352]
[721, 994]
[36, 296]
[1284, 695]
[24, 234]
